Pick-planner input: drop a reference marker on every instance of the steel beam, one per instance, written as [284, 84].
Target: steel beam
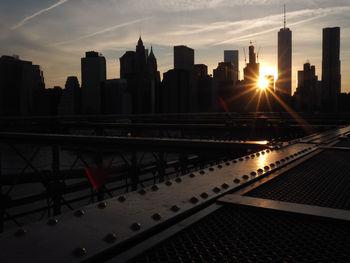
[118, 222]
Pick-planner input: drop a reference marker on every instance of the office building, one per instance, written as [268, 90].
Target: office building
[70, 103]
[93, 74]
[331, 78]
[116, 98]
[143, 79]
[183, 58]
[232, 56]
[180, 85]
[21, 87]
[284, 81]
[307, 95]
[251, 71]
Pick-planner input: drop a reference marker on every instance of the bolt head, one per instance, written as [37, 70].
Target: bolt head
[121, 198]
[168, 183]
[52, 222]
[204, 195]
[142, 192]
[252, 173]
[135, 227]
[219, 166]
[79, 252]
[194, 200]
[102, 205]
[246, 177]
[211, 169]
[192, 175]
[156, 217]
[178, 180]
[79, 213]
[111, 237]
[21, 232]
[236, 181]
[174, 208]
[216, 190]
[225, 186]
[201, 172]
[154, 188]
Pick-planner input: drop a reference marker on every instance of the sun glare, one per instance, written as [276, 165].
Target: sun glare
[263, 82]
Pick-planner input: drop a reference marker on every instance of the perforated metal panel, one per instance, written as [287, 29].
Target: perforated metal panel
[241, 234]
[324, 180]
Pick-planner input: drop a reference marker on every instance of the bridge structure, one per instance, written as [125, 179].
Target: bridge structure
[206, 199]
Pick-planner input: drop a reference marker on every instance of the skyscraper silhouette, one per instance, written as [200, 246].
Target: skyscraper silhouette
[331, 79]
[232, 56]
[183, 58]
[71, 96]
[93, 74]
[251, 71]
[143, 78]
[284, 82]
[21, 87]
[180, 85]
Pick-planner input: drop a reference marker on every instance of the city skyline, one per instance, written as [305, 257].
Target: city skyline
[56, 34]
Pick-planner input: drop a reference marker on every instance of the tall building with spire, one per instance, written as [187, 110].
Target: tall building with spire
[143, 78]
[251, 71]
[284, 82]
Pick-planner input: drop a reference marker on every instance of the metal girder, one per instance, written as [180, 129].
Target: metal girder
[131, 143]
[100, 230]
[302, 209]
[119, 221]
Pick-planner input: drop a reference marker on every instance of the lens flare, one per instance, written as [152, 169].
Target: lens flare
[263, 82]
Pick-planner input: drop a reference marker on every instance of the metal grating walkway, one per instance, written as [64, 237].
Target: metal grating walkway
[324, 180]
[241, 234]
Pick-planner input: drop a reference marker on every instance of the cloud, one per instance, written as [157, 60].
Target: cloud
[28, 18]
[248, 28]
[106, 30]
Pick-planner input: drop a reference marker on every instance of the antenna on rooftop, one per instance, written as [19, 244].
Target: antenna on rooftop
[284, 17]
[257, 54]
[245, 57]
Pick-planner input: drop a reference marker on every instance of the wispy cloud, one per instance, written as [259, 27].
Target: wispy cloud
[106, 30]
[25, 20]
[249, 36]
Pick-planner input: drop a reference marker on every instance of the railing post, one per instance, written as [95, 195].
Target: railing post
[161, 167]
[56, 190]
[134, 171]
[2, 200]
[99, 162]
[183, 163]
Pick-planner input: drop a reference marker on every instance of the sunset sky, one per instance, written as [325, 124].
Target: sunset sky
[56, 33]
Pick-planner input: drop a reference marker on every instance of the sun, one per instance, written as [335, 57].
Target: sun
[265, 71]
[263, 82]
